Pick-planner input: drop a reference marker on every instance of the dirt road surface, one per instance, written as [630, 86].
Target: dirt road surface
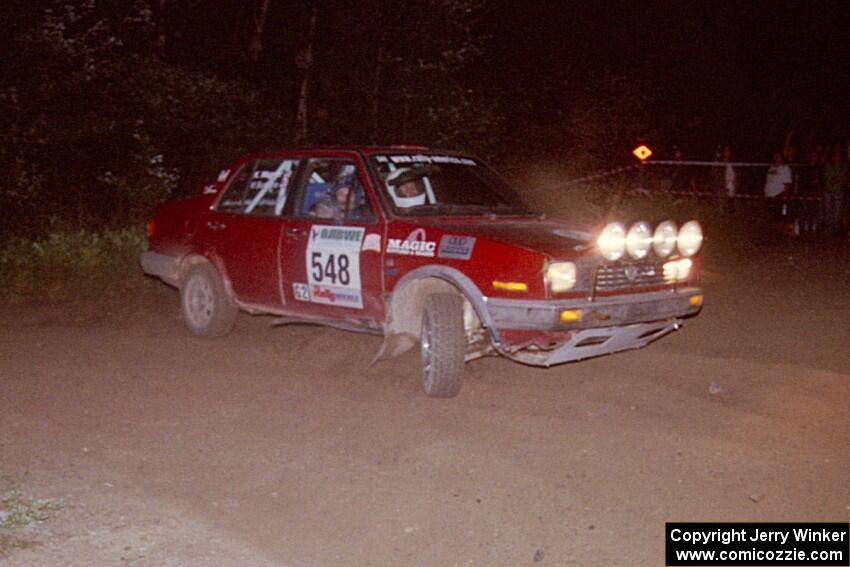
[282, 446]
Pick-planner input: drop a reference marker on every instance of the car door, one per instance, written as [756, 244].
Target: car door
[245, 229]
[331, 253]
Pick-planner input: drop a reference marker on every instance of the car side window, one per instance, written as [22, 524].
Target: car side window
[331, 189]
[260, 187]
[233, 198]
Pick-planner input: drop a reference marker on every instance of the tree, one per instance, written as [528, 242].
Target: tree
[305, 62]
[256, 47]
[97, 127]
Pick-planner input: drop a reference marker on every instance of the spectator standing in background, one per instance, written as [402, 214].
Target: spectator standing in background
[730, 174]
[729, 178]
[777, 184]
[779, 179]
[724, 177]
[682, 181]
[835, 180]
[789, 151]
[811, 185]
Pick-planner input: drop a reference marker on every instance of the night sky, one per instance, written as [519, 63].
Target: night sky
[743, 73]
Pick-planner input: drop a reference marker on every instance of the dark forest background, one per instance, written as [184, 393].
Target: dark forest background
[108, 107]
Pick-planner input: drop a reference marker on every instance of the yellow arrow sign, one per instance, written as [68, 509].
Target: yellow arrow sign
[642, 152]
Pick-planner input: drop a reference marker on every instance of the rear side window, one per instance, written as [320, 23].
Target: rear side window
[260, 187]
[331, 190]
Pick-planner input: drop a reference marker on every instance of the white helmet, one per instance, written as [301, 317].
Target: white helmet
[399, 177]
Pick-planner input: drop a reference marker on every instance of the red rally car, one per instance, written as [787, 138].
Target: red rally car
[420, 246]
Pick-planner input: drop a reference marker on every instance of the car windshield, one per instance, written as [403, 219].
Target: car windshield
[437, 184]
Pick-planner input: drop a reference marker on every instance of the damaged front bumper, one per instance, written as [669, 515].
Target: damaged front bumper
[535, 332]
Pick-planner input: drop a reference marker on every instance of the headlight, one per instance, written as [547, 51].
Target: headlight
[561, 276]
[690, 238]
[638, 240]
[612, 241]
[664, 239]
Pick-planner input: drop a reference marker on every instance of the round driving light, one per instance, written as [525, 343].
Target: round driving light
[561, 276]
[612, 241]
[664, 239]
[690, 238]
[638, 240]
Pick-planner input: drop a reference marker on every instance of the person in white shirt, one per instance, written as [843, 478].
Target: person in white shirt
[778, 183]
[779, 178]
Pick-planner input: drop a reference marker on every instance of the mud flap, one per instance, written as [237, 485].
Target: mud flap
[394, 344]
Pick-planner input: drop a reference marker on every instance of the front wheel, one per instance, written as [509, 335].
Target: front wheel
[205, 306]
[443, 343]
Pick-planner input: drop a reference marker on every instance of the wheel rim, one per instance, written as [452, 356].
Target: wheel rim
[427, 358]
[199, 302]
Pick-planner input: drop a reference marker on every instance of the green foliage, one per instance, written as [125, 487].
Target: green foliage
[402, 76]
[108, 108]
[602, 119]
[97, 128]
[65, 262]
[15, 510]
[433, 48]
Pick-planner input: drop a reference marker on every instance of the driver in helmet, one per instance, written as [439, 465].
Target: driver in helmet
[405, 187]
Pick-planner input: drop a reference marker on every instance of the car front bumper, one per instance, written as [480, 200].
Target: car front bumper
[532, 332]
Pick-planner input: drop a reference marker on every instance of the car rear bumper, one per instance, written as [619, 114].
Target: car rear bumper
[532, 331]
[161, 266]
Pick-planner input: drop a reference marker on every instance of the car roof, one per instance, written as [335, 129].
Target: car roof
[365, 149]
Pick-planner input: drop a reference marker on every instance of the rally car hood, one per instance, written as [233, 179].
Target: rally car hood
[554, 239]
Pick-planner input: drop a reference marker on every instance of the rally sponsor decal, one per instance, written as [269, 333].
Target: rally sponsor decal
[456, 247]
[416, 244]
[422, 158]
[372, 242]
[301, 291]
[336, 296]
[333, 265]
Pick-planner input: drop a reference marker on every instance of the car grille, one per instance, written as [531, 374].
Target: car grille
[623, 276]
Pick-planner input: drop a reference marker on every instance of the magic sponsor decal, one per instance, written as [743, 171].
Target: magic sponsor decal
[416, 244]
[456, 247]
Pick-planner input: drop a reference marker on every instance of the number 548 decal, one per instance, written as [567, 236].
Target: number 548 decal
[333, 265]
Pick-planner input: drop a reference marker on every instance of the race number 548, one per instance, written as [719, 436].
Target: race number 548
[331, 268]
[333, 265]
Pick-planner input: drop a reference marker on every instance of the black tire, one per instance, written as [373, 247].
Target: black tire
[205, 307]
[443, 344]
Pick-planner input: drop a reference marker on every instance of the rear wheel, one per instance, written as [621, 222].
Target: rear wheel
[205, 307]
[443, 344]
